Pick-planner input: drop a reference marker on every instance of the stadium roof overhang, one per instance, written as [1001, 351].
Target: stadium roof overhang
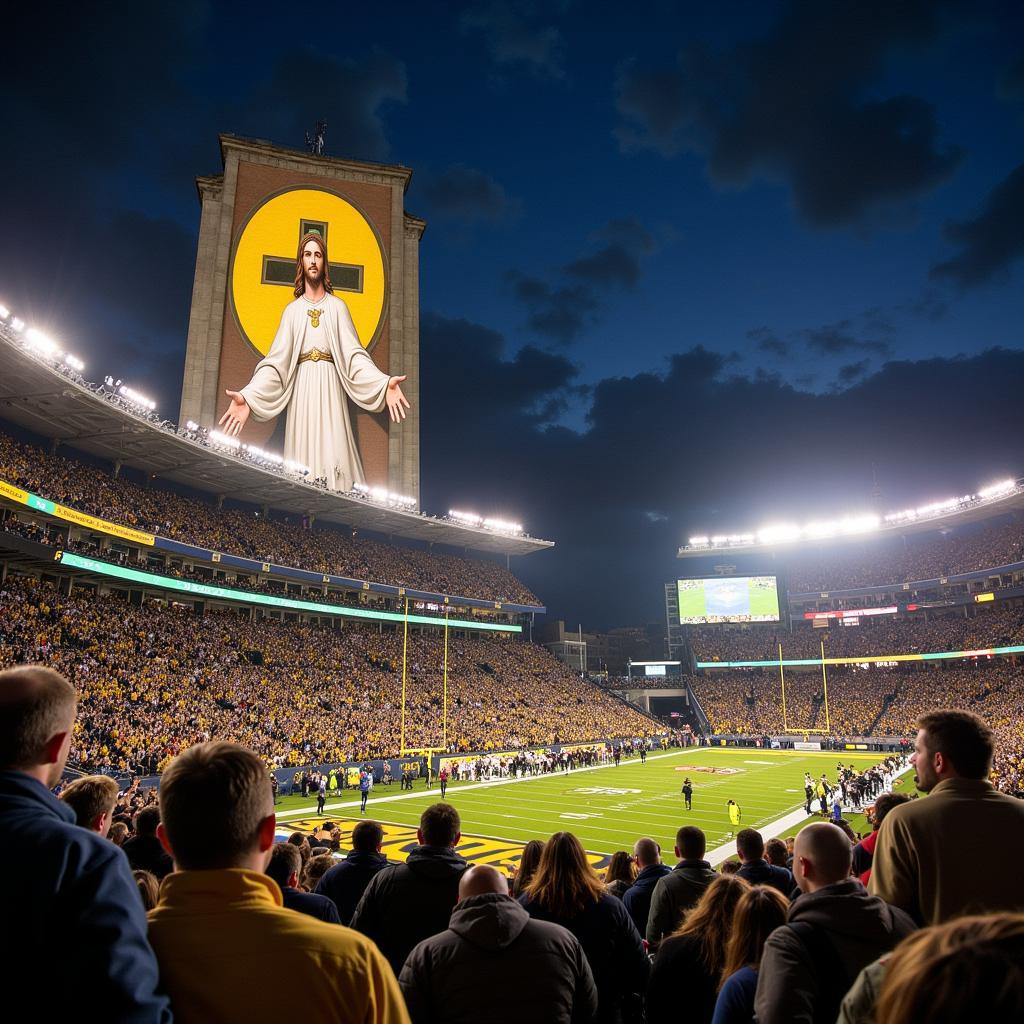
[975, 513]
[38, 397]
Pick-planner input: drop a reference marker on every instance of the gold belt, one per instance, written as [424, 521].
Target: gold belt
[316, 356]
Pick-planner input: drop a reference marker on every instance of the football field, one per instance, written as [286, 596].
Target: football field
[609, 808]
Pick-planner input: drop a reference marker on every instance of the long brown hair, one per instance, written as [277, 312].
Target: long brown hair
[528, 862]
[710, 921]
[565, 883]
[969, 967]
[300, 277]
[759, 912]
[620, 868]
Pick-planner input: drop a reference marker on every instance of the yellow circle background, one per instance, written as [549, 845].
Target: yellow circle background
[273, 230]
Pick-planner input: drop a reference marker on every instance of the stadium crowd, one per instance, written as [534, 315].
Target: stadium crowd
[240, 922]
[277, 539]
[156, 679]
[992, 626]
[905, 559]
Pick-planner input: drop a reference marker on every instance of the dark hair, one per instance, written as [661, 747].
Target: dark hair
[728, 867]
[759, 912]
[300, 277]
[749, 844]
[36, 703]
[146, 821]
[776, 852]
[691, 843]
[963, 737]
[367, 836]
[285, 861]
[710, 921]
[620, 868]
[440, 824]
[565, 883]
[528, 861]
[885, 803]
[214, 797]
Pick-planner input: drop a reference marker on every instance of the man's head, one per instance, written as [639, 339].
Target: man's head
[480, 880]
[218, 809]
[367, 837]
[691, 843]
[775, 853]
[884, 804]
[951, 745]
[285, 865]
[749, 845]
[146, 821]
[440, 825]
[646, 852]
[37, 712]
[822, 856]
[93, 800]
[311, 267]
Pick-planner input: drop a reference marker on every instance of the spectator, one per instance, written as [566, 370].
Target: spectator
[688, 965]
[407, 903]
[461, 975]
[971, 968]
[755, 869]
[834, 930]
[284, 867]
[149, 888]
[864, 851]
[316, 867]
[776, 854]
[528, 861]
[682, 887]
[926, 848]
[143, 849]
[619, 875]
[637, 898]
[118, 833]
[65, 883]
[345, 883]
[220, 931]
[566, 891]
[760, 910]
[299, 840]
[93, 799]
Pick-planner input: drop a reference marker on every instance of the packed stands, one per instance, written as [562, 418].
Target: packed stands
[276, 538]
[156, 679]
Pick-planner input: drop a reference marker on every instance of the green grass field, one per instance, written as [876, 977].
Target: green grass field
[764, 599]
[608, 808]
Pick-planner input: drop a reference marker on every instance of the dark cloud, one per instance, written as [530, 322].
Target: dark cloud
[562, 308]
[837, 339]
[517, 36]
[852, 371]
[990, 242]
[800, 105]
[766, 340]
[468, 196]
[701, 444]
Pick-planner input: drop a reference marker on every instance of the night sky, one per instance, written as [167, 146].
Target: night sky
[683, 272]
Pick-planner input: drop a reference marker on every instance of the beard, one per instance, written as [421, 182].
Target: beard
[313, 276]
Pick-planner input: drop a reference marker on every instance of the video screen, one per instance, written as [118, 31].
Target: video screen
[728, 599]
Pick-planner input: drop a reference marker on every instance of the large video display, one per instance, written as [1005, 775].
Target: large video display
[728, 599]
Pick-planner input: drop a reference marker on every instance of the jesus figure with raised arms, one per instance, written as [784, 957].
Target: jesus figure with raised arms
[315, 361]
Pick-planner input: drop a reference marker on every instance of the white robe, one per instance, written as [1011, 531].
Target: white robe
[318, 430]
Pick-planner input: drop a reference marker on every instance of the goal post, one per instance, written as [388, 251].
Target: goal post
[405, 751]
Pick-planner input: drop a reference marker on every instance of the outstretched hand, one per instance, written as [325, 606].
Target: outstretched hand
[397, 402]
[237, 415]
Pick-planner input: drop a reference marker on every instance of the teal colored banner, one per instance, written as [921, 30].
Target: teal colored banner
[866, 659]
[74, 561]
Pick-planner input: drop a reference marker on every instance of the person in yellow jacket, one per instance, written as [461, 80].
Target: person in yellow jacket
[219, 931]
[735, 815]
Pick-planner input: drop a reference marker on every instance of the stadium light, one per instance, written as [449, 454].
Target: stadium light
[469, 518]
[136, 397]
[216, 437]
[18, 325]
[502, 526]
[43, 342]
[192, 426]
[4, 312]
[993, 490]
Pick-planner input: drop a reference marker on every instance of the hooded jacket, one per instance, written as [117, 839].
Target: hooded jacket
[68, 885]
[407, 903]
[679, 890]
[637, 898]
[346, 882]
[851, 929]
[495, 963]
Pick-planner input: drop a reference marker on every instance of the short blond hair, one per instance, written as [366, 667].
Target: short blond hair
[36, 703]
[91, 796]
[213, 798]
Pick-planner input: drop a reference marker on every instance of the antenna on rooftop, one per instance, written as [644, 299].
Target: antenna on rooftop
[315, 142]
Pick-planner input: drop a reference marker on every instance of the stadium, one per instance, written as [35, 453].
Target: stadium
[274, 729]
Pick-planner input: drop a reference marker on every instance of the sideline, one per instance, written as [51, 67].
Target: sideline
[306, 811]
[775, 828]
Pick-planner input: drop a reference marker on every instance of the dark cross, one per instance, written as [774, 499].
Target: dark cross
[346, 277]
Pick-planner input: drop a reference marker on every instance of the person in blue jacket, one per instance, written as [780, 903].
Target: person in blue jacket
[67, 888]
